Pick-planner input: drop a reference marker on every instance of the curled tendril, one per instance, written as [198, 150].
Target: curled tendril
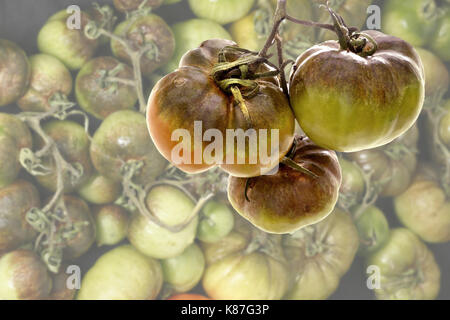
[32, 163]
[37, 219]
[92, 30]
[52, 258]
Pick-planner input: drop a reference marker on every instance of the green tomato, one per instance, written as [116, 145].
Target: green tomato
[436, 74]
[122, 274]
[425, 209]
[215, 223]
[414, 21]
[444, 125]
[221, 11]
[14, 128]
[15, 201]
[23, 276]
[49, 76]
[100, 190]
[111, 223]
[319, 255]
[408, 270]
[149, 30]
[71, 46]
[172, 207]
[352, 186]
[190, 34]
[247, 264]
[373, 229]
[100, 97]
[73, 143]
[184, 272]
[122, 137]
[15, 72]
[441, 41]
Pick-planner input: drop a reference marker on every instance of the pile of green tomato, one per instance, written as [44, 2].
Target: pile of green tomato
[81, 176]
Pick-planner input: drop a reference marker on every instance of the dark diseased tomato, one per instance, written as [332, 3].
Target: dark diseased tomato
[69, 45]
[349, 102]
[23, 276]
[60, 289]
[149, 31]
[73, 143]
[49, 76]
[15, 72]
[290, 199]
[190, 94]
[100, 96]
[122, 137]
[15, 201]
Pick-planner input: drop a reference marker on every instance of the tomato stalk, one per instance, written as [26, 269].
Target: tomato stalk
[51, 222]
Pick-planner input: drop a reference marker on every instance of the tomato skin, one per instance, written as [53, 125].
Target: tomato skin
[444, 125]
[23, 276]
[409, 20]
[393, 170]
[100, 190]
[170, 109]
[111, 223]
[407, 267]
[216, 222]
[101, 101]
[71, 46]
[139, 30]
[234, 272]
[122, 273]
[373, 230]
[48, 77]
[425, 209]
[15, 72]
[123, 137]
[370, 113]
[221, 11]
[289, 200]
[15, 201]
[436, 74]
[319, 255]
[352, 186]
[188, 296]
[441, 42]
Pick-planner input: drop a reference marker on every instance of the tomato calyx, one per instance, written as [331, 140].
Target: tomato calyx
[266, 243]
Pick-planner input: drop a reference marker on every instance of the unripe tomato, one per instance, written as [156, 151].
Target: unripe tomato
[444, 125]
[290, 199]
[408, 270]
[352, 186]
[100, 97]
[414, 21]
[15, 72]
[190, 34]
[71, 46]
[215, 223]
[73, 143]
[172, 207]
[145, 31]
[23, 276]
[184, 272]
[122, 274]
[373, 230]
[170, 109]
[100, 190]
[111, 224]
[436, 74]
[347, 102]
[15, 201]
[319, 255]
[440, 43]
[238, 269]
[425, 209]
[48, 77]
[221, 11]
[122, 137]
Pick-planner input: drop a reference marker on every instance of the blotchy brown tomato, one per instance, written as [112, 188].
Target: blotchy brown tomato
[191, 94]
[346, 101]
[290, 199]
